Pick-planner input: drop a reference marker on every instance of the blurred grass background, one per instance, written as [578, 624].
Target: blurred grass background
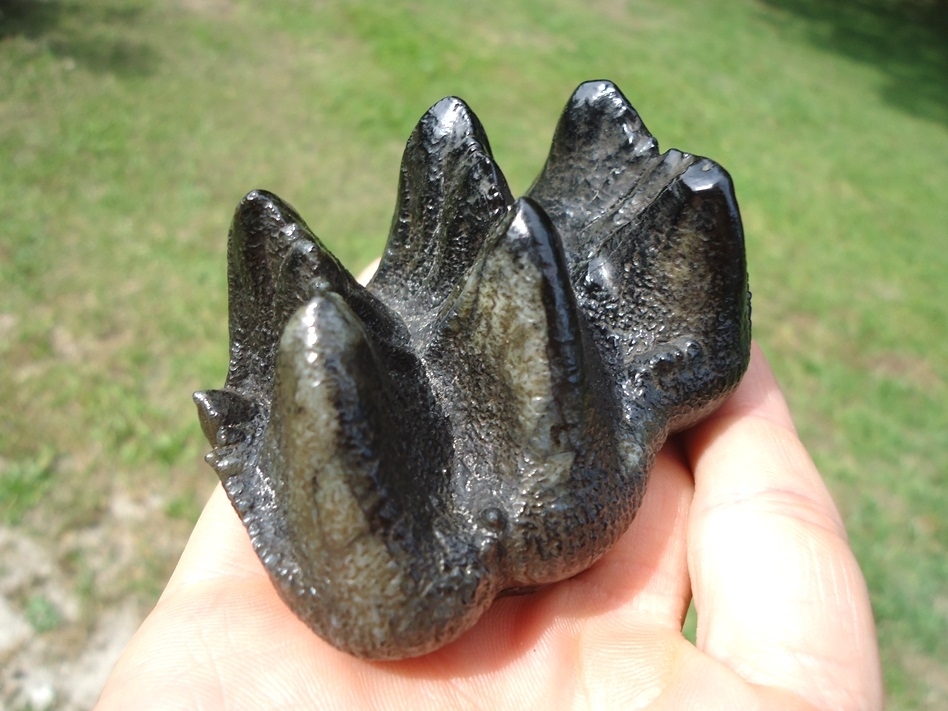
[129, 130]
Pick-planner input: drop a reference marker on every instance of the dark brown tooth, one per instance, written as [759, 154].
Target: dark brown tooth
[482, 418]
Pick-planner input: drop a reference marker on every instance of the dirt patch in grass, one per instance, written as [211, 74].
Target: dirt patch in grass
[909, 368]
[209, 8]
[70, 603]
[933, 677]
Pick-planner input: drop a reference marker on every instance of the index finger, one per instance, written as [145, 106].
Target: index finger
[779, 595]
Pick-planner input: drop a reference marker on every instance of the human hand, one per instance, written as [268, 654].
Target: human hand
[735, 515]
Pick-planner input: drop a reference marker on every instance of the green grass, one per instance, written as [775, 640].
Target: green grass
[24, 484]
[129, 130]
[42, 614]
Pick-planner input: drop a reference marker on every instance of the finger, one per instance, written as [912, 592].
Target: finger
[779, 595]
[366, 274]
[218, 548]
[634, 600]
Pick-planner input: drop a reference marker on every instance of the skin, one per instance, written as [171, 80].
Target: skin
[736, 516]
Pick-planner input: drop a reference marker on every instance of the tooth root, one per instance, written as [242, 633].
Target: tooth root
[450, 193]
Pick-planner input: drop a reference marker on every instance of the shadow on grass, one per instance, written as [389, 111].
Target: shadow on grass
[907, 40]
[95, 38]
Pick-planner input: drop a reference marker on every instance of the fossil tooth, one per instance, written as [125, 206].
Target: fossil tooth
[482, 417]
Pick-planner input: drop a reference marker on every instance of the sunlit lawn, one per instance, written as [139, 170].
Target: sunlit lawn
[129, 131]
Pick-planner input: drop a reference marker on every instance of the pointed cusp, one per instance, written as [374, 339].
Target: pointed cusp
[677, 265]
[601, 150]
[274, 262]
[656, 253]
[450, 193]
[362, 461]
[679, 269]
[224, 415]
[538, 451]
